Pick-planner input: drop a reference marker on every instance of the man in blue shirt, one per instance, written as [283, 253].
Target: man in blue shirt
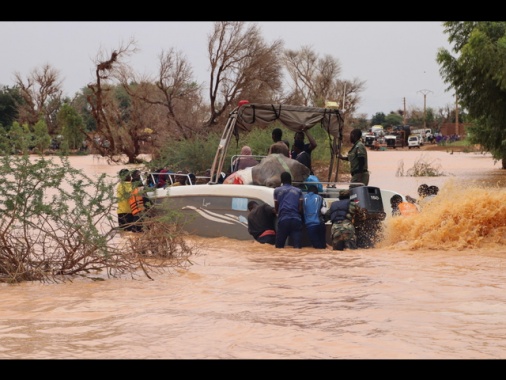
[288, 204]
[314, 207]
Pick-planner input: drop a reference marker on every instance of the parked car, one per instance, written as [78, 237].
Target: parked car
[414, 142]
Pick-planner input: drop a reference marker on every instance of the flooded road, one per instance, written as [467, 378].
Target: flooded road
[430, 290]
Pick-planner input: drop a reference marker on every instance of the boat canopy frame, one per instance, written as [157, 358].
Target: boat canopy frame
[248, 116]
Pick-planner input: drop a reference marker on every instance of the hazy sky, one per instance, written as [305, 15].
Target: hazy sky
[397, 60]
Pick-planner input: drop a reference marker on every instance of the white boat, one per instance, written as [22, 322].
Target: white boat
[215, 209]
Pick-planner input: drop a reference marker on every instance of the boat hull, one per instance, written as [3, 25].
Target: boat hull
[214, 210]
[221, 210]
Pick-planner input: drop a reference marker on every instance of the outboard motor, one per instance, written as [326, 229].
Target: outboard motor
[368, 226]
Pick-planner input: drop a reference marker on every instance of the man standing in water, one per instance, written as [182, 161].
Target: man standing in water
[262, 222]
[342, 214]
[123, 191]
[357, 157]
[288, 204]
[313, 206]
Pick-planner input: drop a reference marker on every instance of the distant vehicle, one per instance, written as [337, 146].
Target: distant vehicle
[394, 140]
[414, 142]
[369, 139]
[426, 133]
[378, 132]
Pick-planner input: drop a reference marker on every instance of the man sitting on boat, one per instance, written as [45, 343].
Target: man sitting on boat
[183, 179]
[245, 160]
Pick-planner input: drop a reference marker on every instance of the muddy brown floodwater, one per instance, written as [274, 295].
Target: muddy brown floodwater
[433, 288]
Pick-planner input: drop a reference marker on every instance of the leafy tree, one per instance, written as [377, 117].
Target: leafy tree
[9, 98]
[393, 119]
[378, 118]
[124, 114]
[19, 139]
[71, 125]
[41, 138]
[477, 72]
[80, 103]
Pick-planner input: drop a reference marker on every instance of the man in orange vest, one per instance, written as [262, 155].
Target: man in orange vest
[402, 208]
[139, 203]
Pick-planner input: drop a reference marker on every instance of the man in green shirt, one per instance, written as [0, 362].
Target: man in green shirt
[357, 156]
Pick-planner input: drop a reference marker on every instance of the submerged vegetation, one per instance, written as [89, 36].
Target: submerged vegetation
[423, 167]
[57, 223]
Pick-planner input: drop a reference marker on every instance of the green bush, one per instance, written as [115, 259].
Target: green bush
[56, 223]
[194, 156]
[197, 155]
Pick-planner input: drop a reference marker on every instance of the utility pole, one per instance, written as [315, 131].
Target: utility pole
[404, 112]
[338, 148]
[424, 92]
[457, 114]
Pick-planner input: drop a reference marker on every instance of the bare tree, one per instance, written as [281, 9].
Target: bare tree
[174, 93]
[42, 95]
[122, 122]
[349, 91]
[315, 80]
[312, 77]
[242, 65]
[446, 114]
